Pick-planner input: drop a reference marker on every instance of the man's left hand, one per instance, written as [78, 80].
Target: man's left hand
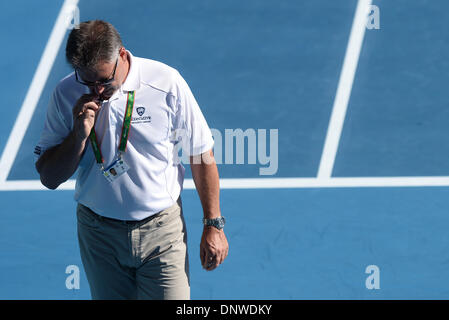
[213, 248]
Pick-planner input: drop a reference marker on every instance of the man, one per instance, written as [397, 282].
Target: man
[119, 120]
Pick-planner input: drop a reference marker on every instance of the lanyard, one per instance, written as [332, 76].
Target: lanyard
[123, 136]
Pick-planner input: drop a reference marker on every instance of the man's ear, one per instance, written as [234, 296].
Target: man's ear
[122, 53]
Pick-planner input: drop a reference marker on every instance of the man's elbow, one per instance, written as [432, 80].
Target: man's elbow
[49, 184]
[51, 187]
[44, 179]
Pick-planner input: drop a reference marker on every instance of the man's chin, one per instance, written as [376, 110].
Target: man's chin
[106, 95]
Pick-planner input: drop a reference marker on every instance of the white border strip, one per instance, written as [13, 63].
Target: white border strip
[33, 185]
[271, 183]
[344, 90]
[35, 90]
[346, 182]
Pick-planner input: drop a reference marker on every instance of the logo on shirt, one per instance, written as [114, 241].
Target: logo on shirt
[37, 151]
[142, 118]
[140, 110]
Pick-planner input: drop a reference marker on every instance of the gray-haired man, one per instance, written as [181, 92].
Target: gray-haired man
[113, 119]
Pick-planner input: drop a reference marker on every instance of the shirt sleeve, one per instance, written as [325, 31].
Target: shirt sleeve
[197, 136]
[56, 127]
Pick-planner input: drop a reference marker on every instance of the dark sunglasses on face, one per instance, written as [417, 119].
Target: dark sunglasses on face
[103, 83]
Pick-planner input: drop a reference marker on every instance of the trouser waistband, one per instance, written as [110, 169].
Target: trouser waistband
[132, 222]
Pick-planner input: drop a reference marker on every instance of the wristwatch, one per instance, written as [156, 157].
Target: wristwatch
[217, 222]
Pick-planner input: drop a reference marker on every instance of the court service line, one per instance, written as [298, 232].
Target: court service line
[344, 90]
[35, 90]
[271, 183]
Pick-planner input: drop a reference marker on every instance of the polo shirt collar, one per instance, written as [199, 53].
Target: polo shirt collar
[132, 81]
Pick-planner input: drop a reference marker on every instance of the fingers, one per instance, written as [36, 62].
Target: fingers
[203, 256]
[221, 256]
[84, 114]
[79, 110]
[88, 110]
[213, 261]
[207, 259]
[86, 102]
[213, 250]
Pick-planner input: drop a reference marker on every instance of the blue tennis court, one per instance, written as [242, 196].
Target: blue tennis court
[355, 182]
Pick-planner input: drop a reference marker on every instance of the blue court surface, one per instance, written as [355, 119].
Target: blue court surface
[360, 176]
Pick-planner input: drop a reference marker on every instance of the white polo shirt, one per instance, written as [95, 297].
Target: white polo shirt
[163, 105]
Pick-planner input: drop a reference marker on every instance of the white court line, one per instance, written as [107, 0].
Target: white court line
[32, 185]
[34, 92]
[271, 183]
[344, 90]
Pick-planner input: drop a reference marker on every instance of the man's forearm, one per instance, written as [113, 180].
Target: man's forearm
[59, 163]
[206, 178]
[214, 245]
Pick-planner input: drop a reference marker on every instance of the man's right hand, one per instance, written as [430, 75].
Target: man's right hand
[84, 114]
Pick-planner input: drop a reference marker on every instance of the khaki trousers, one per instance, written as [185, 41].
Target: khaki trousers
[135, 259]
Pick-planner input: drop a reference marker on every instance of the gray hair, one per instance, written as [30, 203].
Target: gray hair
[92, 42]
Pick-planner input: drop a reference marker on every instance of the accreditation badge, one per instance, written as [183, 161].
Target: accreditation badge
[115, 170]
[118, 167]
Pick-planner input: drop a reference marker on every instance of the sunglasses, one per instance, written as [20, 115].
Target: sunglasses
[103, 83]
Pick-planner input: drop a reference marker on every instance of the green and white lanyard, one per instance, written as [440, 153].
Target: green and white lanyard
[123, 137]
